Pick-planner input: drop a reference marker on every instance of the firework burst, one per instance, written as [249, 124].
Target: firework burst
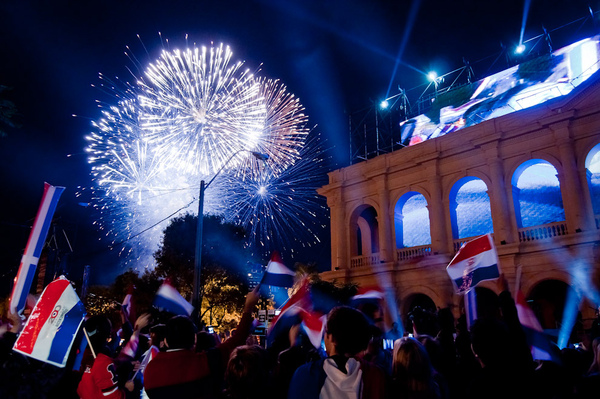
[190, 115]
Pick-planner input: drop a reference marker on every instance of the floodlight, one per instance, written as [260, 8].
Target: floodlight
[384, 104]
[520, 48]
[432, 76]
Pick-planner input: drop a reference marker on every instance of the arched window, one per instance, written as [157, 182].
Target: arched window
[411, 219]
[365, 228]
[470, 208]
[536, 194]
[592, 167]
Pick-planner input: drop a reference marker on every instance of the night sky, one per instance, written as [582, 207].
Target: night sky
[336, 56]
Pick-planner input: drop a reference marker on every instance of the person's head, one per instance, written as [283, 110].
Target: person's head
[411, 366]
[205, 341]
[423, 322]
[98, 329]
[180, 333]
[489, 341]
[157, 335]
[346, 332]
[247, 372]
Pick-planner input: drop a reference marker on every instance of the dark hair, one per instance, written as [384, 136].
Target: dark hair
[349, 329]
[424, 321]
[247, 372]
[412, 370]
[205, 341]
[98, 329]
[160, 332]
[181, 333]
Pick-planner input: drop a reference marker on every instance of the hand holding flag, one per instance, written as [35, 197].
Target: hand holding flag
[474, 262]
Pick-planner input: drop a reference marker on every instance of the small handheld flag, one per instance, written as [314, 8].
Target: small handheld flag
[34, 247]
[539, 344]
[474, 262]
[169, 299]
[277, 274]
[53, 324]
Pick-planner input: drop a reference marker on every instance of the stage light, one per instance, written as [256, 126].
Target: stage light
[384, 104]
[432, 76]
[520, 48]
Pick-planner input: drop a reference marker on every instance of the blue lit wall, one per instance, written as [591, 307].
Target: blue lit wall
[473, 212]
[593, 168]
[411, 218]
[539, 197]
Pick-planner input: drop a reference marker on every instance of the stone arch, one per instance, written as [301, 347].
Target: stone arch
[363, 230]
[470, 209]
[413, 300]
[548, 299]
[537, 198]
[592, 169]
[411, 220]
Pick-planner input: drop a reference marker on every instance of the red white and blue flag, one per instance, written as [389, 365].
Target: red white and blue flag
[169, 299]
[371, 293]
[290, 314]
[474, 262]
[314, 326]
[52, 326]
[539, 344]
[127, 306]
[277, 274]
[33, 251]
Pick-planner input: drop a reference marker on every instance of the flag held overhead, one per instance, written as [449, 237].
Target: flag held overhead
[474, 262]
[277, 274]
[34, 247]
[53, 324]
[169, 299]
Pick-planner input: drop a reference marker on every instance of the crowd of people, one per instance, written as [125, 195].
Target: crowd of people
[438, 359]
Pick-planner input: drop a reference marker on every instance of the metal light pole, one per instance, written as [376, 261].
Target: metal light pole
[197, 299]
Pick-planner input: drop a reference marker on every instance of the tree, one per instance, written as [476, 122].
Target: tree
[8, 112]
[224, 260]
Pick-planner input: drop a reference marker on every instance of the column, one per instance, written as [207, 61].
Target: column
[577, 212]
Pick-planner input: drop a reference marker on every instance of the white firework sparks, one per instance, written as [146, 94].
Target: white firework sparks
[192, 113]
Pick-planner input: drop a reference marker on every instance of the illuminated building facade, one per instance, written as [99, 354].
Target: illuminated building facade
[518, 157]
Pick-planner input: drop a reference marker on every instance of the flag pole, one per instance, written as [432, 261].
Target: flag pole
[89, 342]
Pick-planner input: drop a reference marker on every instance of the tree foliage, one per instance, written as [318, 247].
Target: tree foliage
[8, 112]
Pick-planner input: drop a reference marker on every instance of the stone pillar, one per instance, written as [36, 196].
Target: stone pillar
[437, 216]
[577, 213]
[339, 232]
[386, 246]
[504, 229]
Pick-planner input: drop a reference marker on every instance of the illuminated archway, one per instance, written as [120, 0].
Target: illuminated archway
[364, 230]
[470, 210]
[536, 194]
[592, 167]
[411, 219]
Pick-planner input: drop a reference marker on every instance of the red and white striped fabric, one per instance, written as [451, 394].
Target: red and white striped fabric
[53, 324]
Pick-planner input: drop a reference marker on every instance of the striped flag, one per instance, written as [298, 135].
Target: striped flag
[314, 326]
[52, 326]
[539, 344]
[277, 274]
[169, 299]
[35, 244]
[474, 262]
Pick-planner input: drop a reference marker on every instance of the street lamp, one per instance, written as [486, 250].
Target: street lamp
[197, 298]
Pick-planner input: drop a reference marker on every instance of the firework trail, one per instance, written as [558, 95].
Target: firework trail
[281, 209]
[186, 116]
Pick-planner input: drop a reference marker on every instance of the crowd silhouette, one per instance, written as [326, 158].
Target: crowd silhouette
[437, 357]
